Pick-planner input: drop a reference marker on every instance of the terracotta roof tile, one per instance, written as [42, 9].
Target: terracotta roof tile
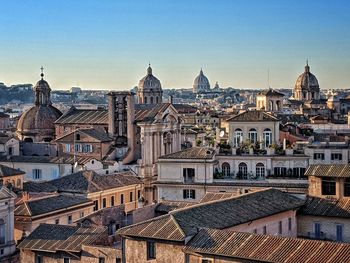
[264, 248]
[53, 238]
[328, 170]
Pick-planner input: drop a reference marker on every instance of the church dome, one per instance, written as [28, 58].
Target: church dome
[307, 81]
[201, 83]
[37, 123]
[149, 82]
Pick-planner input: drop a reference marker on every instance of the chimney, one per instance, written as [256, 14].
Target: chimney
[171, 99]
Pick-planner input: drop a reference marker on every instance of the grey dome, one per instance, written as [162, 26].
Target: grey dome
[307, 81]
[201, 83]
[149, 82]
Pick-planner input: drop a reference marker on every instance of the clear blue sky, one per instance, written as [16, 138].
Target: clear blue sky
[108, 44]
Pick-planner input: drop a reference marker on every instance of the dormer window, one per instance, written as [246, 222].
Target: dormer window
[328, 186]
[77, 137]
[347, 187]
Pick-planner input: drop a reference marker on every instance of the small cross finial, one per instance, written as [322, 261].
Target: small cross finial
[307, 62]
[42, 72]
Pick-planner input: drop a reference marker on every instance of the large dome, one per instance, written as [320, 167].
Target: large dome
[149, 82]
[201, 83]
[307, 81]
[37, 123]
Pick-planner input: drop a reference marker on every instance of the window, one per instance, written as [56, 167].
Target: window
[87, 148]
[339, 232]
[131, 196]
[95, 205]
[189, 194]
[264, 230]
[66, 260]
[118, 260]
[105, 166]
[2, 232]
[19, 183]
[237, 138]
[255, 231]
[77, 137]
[267, 137]
[243, 170]
[70, 219]
[77, 147]
[260, 170]
[225, 167]
[10, 150]
[280, 227]
[57, 221]
[138, 194]
[317, 228]
[104, 202]
[145, 100]
[151, 250]
[82, 214]
[328, 186]
[336, 156]
[37, 174]
[101, 260]
[280, 171]
[289, 224]
[347, 187]
[205, 260]
[39, 259]
[188, 174]
[253, 136]
[122, 199]
[67, 148]
[318, 156]
[111, 228]
[112, 200]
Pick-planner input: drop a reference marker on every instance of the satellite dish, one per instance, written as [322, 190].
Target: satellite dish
[222, 133]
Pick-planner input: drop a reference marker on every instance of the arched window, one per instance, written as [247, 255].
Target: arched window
[77, 137]
[238, 137]
[157, 100]
[260, 170]
[267, 137]
[243, 170]
[145, 100]
[253, 135]
[151, 100]
[19, 183]
[28, 139]
[225, 167]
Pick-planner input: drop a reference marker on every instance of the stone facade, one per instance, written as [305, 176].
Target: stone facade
[136, 252]
[328, 227]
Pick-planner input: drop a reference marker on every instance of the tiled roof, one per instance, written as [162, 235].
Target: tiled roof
[218, 214]
[191, 153]
[53, 238]
[213, 196]
[184, 108]
[328, 170]
[97, 134]
[8, 171]
[331, 207]
[148, 112]
[271, 92]
[69, 159]
[49, 204]
[265, 248]
[162, 227]
[87, 182]
[253, 115]
[82, 116]
[35, 187]
[167, 206]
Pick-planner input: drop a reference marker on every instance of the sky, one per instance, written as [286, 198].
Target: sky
[107, 44]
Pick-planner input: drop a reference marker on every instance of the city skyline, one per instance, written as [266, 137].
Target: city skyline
[109, 45]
